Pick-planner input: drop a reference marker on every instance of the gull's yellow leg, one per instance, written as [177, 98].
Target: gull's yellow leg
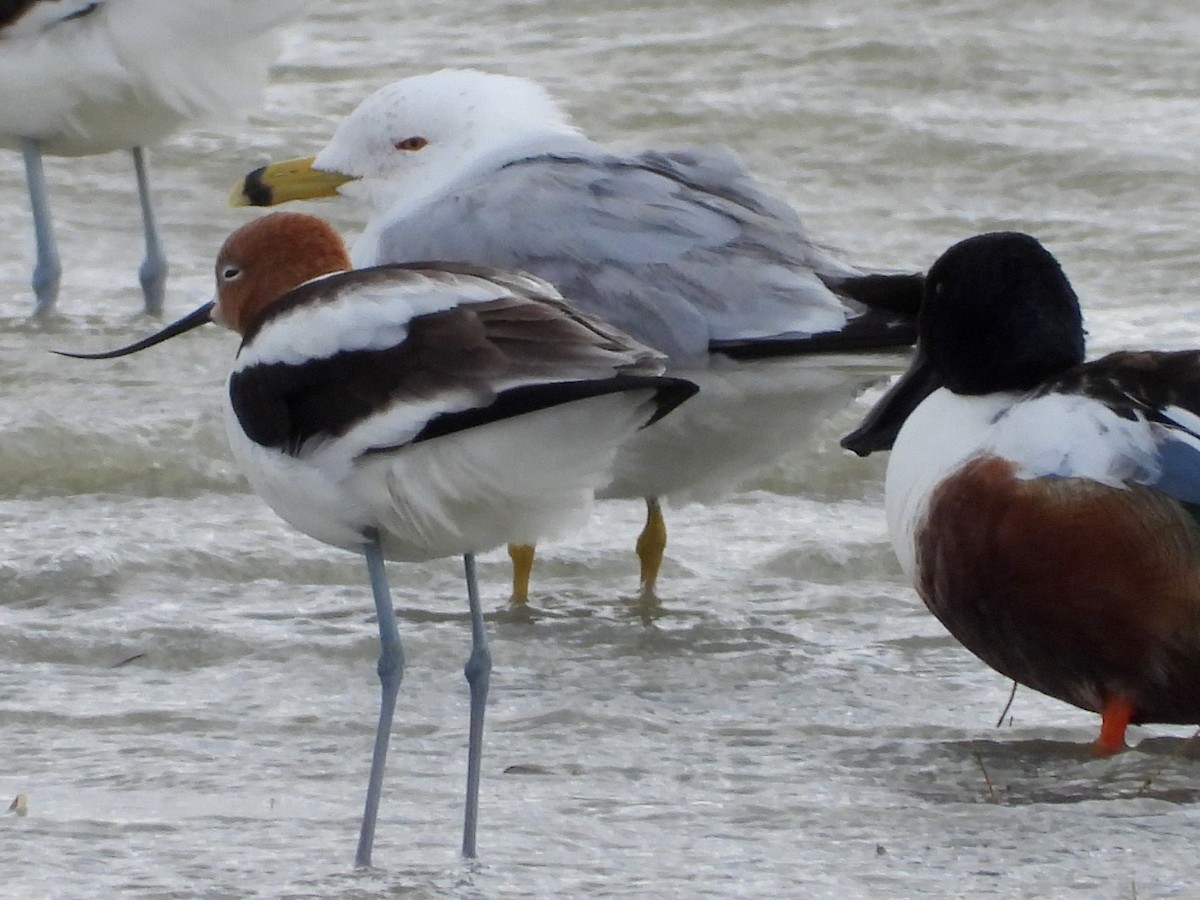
[522, 563]
[650, 546]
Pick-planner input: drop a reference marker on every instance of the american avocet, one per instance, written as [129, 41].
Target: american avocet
[82, 77]
[1046, 508]
[415, 412]
[684, 250]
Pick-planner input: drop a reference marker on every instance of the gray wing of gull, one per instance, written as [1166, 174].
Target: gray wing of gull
[678, 249]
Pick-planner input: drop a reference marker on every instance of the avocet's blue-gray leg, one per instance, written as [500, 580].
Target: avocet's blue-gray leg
[153, 271]
[478, 672]
[391, 671]
[48, 268]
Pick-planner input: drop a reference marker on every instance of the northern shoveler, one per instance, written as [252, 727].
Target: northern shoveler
[1047, 509]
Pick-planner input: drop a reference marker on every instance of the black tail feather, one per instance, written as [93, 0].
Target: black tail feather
[890, 321]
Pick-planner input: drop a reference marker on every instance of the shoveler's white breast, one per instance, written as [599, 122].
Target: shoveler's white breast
[1049, 436]
[1044, 436]
[942, 433]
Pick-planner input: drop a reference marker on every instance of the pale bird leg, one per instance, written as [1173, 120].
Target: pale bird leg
[522, 567]
[651, 544]
[478, 670]
[48, 268]
[391, 672]
[153, 271]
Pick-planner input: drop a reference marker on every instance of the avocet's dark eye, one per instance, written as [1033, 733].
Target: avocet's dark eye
[231, 273]
[411, 143]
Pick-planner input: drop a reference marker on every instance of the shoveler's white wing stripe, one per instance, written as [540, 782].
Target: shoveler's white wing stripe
[1074, 436]
[1184, 418]
[363, 315]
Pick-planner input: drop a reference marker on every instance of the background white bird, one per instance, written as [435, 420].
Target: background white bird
[83, 77]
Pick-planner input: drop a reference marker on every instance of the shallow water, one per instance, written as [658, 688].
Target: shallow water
[187, 689]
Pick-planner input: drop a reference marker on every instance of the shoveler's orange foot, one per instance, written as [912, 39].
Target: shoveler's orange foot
[1114, 720]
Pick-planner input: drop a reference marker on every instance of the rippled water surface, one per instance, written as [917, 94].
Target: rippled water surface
[187, 688]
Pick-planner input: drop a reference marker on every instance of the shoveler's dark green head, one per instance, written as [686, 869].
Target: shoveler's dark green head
[999, 315]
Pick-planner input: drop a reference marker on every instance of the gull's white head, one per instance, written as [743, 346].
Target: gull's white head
[422, 133]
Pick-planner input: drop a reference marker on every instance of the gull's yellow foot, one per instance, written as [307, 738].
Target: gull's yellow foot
[522, 563]
[651, 544]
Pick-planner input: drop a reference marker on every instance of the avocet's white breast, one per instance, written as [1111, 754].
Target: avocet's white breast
[517, 480]
[307, 497]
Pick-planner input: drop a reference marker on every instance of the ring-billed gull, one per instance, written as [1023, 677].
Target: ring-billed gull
[684, 250]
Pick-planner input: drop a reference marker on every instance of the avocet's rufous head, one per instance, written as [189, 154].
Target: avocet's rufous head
[257, 264]
[266, 258]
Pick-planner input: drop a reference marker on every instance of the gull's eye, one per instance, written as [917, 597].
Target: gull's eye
[411, 143]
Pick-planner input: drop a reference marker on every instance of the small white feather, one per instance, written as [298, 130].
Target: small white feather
[367, 314]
